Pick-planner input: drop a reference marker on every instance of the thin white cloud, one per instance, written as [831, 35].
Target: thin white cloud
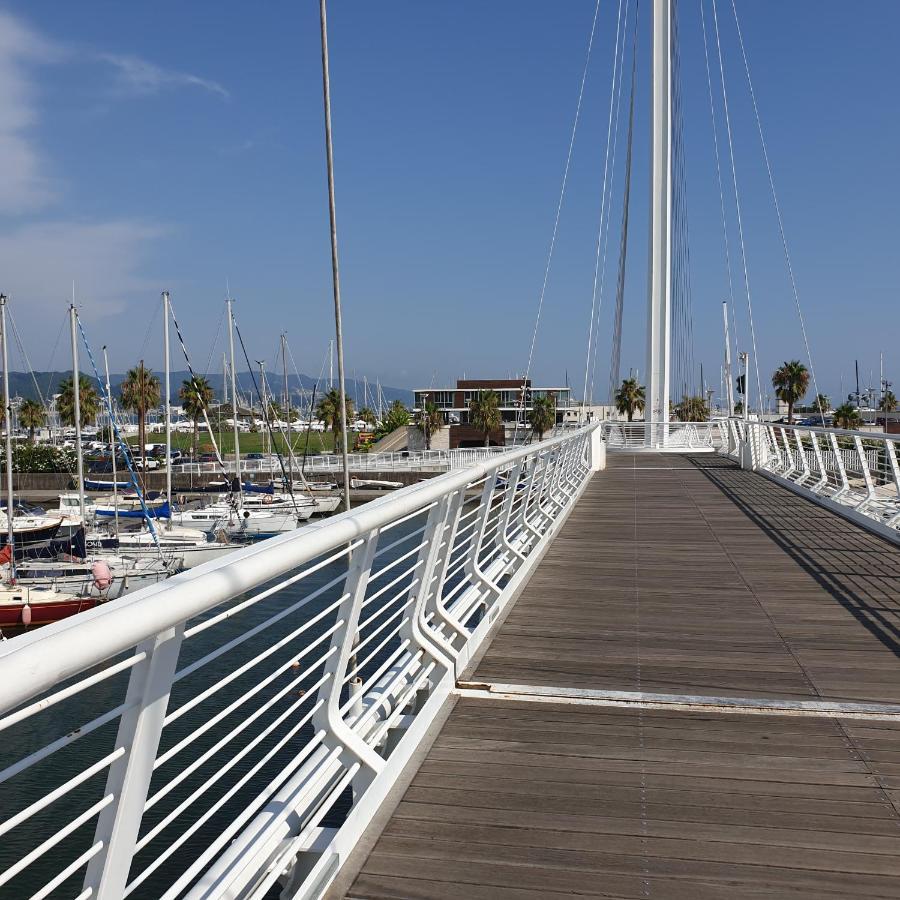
[138, 77]
[40, 261]
[24, 183]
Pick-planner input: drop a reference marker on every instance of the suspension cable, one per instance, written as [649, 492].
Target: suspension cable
[559, 205]
[737, 206]
[715, 131]
[603, 198]
[784, 244]
[616, 356]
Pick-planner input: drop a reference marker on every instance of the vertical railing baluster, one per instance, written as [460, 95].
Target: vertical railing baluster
[839, 462]
[128, 779]
[867, 475]
[343, 644]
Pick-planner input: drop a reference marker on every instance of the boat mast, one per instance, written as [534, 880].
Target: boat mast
[660, 294]
[234, 403]
[287, 411]
[112, 441]
[76, 394]
[335, 275]
[7, 406]
[168, 404]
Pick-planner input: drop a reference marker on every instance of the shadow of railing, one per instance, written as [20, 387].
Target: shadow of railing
[859, 569]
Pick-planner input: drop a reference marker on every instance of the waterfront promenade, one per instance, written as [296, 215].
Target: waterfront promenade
[696, 695]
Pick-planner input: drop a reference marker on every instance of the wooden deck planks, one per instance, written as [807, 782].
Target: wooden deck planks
[696, 577]
[678, 575]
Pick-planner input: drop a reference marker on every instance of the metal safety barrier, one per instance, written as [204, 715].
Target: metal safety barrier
[857, 473]
[663, 436]
[401, 461]
[239, 725]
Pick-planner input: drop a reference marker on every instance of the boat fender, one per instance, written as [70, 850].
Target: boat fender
[26, 614]
[102, 575]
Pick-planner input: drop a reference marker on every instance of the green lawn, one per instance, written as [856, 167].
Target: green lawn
[250, 443]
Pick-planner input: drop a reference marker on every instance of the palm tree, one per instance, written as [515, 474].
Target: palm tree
[484, 413]
[367, 414]
[32, 416]
[88, 400]
[542, 417]
[140, 393]
[888, 402]
[791, 381]
[397, 416]
[823, 403]
[629, 398]
[195, 394]
[847, 416]
[429, 420]
[691, 409]
[328, 410]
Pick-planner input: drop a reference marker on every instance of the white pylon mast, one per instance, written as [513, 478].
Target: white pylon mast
[729, 384]
[660, 294]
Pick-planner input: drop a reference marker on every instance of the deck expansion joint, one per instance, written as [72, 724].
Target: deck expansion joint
[528, 693]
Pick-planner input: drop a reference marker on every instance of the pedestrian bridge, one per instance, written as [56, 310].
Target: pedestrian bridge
[559, 672]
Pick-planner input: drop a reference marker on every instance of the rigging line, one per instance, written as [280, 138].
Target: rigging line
[605, 224]
[215, 341]
[616, 361]
[24, 354]
[50, 374]
[123, 445]
[612, 88]
[737, 206]
[562, 194]
[284, 475]
[715, 131]
[194, 380]
[149, 329]
[784, 244]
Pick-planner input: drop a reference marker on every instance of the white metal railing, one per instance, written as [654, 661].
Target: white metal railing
[240, 723]
[402, 461]
[859, 472]
[697, 436]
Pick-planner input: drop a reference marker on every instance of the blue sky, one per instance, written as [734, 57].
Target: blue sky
[179, 146]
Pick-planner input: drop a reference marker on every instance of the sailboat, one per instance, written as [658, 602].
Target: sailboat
[22, 605]
[239, 514]
[171, 541]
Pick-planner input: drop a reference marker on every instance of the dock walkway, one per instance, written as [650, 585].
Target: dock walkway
[697, 695]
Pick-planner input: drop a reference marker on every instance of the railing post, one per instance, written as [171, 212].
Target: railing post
[343, 641]
[842, 471]
[512, 483]
[891, 450]
[140, 728]
[803, 461]
[867, 475]
[597, 450]
[820, 462]
[473, 568]
[440, 528]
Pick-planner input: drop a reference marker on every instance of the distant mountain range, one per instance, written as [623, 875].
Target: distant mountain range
[22, 384]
